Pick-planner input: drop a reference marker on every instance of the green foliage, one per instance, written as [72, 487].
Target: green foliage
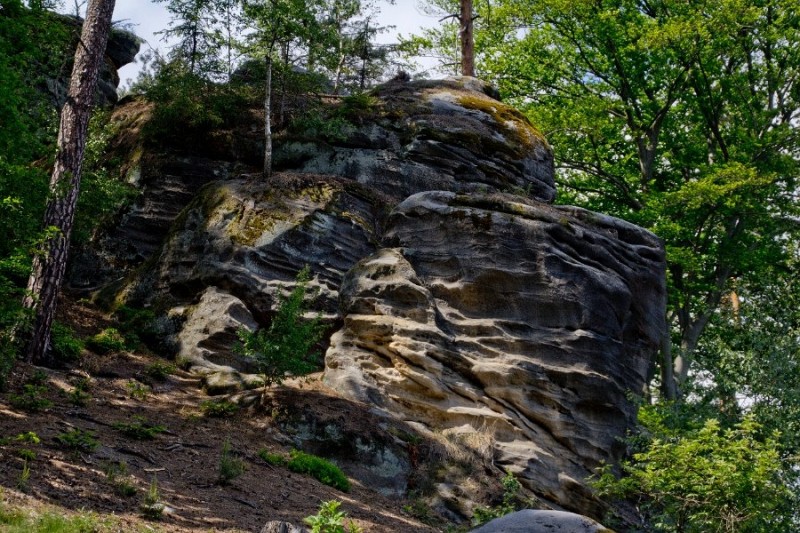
[159, 370]
[285, 348]
[107, 341]
[24, 476]
[29, 437]
[189, 107]
[26, 520]
[318, 468]
[102, 193]
[316, 123]
[218, 408]
[78, 440]
[152, 507]
[329, 519]
[704, 477]
[117, 475]
[136, 390]
[511, 488]
[79, 395]
[32, 398]
[137, 325]
[66, 347]
[230, 466]
[26, 454]
[274, 459]
[139, 428]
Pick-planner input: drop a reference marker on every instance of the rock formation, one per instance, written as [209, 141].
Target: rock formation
[462, 300]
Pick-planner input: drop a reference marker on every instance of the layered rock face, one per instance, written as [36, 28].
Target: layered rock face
[433, 135]
[461, 300]
[492, 313]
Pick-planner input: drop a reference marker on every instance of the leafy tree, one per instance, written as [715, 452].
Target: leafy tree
[697, 477]
[277, 22]
[750, 356]
[285, 347]
[207, 33]
[49, 265]
[673, 115]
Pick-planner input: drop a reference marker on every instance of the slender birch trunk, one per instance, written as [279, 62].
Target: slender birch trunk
[268, 121]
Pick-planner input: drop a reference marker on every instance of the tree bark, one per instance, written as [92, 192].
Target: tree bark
[50, 262]
[268, 121]
[467, 39]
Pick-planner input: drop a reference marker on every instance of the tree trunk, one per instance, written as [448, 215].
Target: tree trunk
[51, 261]
[467, 39]
[268, 121]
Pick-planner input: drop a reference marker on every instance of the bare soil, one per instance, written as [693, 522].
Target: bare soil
[184, 459]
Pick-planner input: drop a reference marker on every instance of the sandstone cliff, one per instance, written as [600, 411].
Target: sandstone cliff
[462, 301]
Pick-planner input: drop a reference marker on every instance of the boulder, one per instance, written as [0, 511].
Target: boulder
[529, 321]
[538, 521]
[432, 135]
[277, 526]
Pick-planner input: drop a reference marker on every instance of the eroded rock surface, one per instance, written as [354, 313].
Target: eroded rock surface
[462, 300]
[433, 135]
[529, 321]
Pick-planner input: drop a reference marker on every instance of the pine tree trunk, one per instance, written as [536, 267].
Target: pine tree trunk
[268, 121]
[467, 39]
[51, 261]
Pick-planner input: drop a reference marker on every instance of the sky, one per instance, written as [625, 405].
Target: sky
[147, 17]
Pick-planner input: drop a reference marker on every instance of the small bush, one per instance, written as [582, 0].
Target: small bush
[79, 395]
[285, 348]
[230, 466]
[107, 341]
[218, 408]
[320, 469]
[78, 440]
[65, 346]
[511, 488]
[138, 325]
[24, 477]
[159, 370]
[136, 390]
[329, 519]
[117, 475]
[26, 454]
[139, 428]
[151, 506]
[275, 459]
[32, 398]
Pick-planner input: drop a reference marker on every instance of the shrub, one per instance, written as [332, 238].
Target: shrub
[329, 519]
[65, 346]
[78, 440]
[284, 349]
[159, 370]
[318, 468]
[138, 325]
[32, 398]
[151, 506]
[511, 487]
[26, 454]
[79, 395]
[274, 459]
[136, 390]
[107, 341]
[218, 408]
[230, 466]
[704, 479]
[117, 475]
[139, 428]
[24, 476]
